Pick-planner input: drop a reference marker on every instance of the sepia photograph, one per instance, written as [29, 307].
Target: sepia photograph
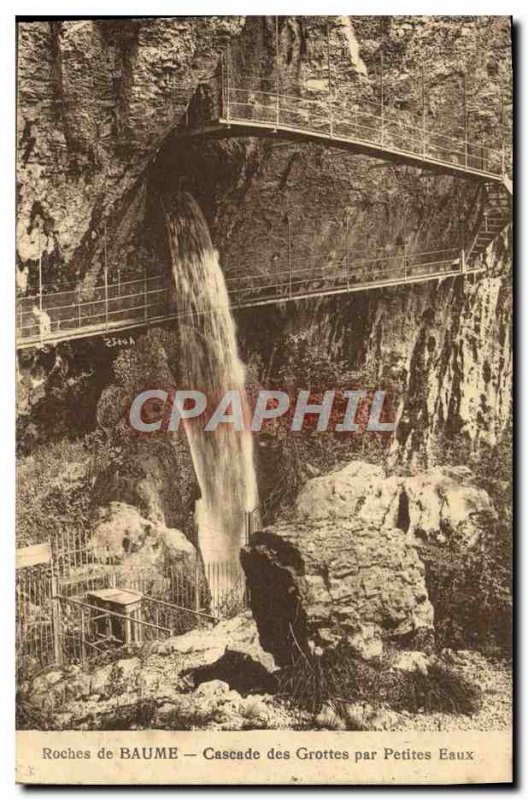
[264, 270]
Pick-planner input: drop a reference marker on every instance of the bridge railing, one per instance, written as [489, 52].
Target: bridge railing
[147, 299]
[362, 121]
[107, 305]
[309, 276]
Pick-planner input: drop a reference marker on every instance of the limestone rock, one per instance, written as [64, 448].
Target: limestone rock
[360, 487]
[366, 643]
[325, 575]
[211, 690]
[444, 502]
[327, 719]
[206, 646]
[344, 563]
[255, 710]
[412, 661]
[431, 505]
[364, 717]
[123, 536]
[100, 682]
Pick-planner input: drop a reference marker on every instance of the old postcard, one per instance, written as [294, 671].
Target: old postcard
[264, 368]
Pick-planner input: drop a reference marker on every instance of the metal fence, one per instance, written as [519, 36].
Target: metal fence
[35, 629]
[59, 618]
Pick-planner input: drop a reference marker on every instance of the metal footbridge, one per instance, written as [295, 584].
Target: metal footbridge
[244, 109]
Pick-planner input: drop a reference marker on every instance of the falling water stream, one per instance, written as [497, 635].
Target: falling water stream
[223, 459]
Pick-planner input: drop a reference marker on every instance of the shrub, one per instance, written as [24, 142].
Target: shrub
[441, 689]
[53, 490]
[338, 678]
[304, 684]
[471, 588]
[471, 591]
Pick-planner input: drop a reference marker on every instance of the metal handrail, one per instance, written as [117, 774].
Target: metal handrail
[325, 105]
[389, 263]
[391, 132]
[292, 282]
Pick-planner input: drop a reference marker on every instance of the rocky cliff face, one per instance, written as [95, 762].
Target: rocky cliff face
[99, 105]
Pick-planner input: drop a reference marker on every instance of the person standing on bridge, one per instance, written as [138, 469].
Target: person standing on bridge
[43, 321]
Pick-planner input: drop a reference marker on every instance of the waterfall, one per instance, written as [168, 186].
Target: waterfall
[223, 459]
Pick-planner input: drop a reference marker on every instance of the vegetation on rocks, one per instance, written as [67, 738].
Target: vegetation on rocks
[472, 588]
[339, 680]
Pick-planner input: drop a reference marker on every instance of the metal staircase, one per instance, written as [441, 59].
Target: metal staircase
[497, 214]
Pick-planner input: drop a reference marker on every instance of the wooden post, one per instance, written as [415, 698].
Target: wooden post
[462, 239]
[382, 97]
[40, 281]
[106, 277]
[347, 265]
[424, 131]
[465, 121]
[462, 232]
[330, 111]
[138, 628]
[145, 290]
[222, 86]
[503, 124]
[277, 74]
[290, 255]
[228, 60]
[56, 620]
[196, 586]
[79, 310]
[83, 634]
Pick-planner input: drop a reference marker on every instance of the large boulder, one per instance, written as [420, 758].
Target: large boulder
[203, 647]
[147, 554]
[433, 505]
[445, 503]
[123, 536]
[360, 487]
[326, 574]
[345, 562]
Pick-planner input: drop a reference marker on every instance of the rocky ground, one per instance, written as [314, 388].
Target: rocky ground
[494, 678]
[188, 682]
[341, 567]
